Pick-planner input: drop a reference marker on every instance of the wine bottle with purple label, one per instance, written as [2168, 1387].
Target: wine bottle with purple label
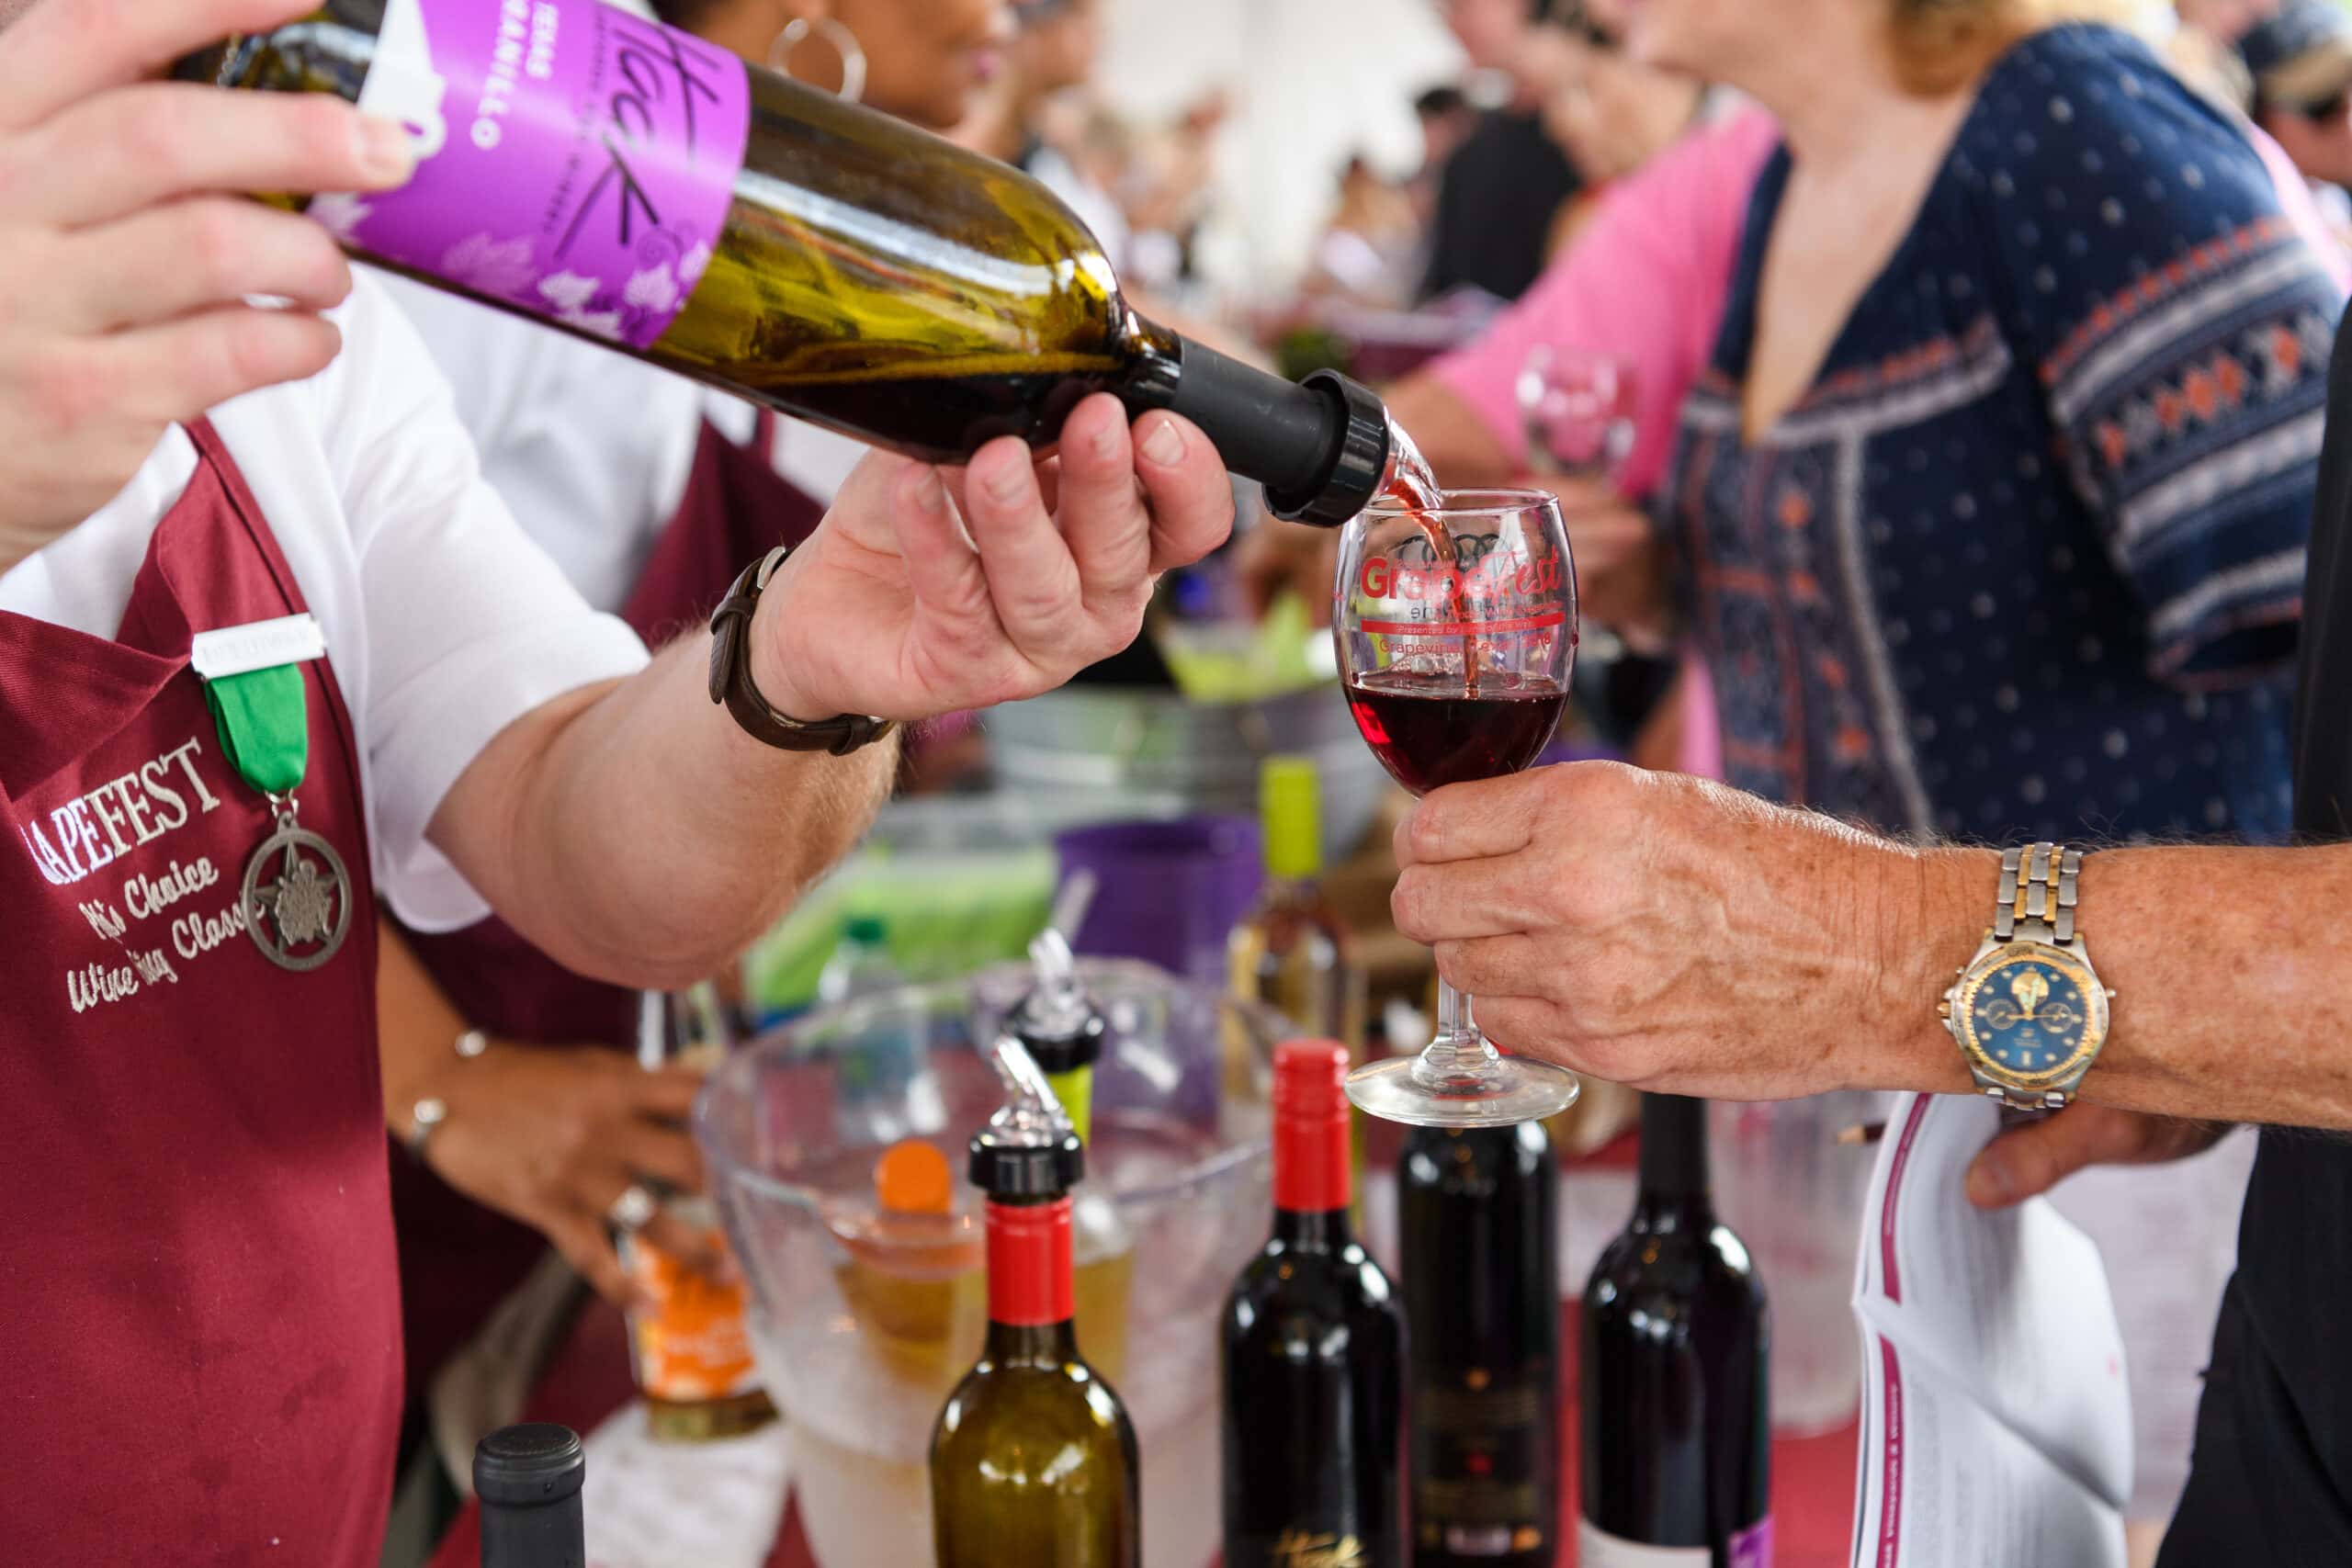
[639, 186]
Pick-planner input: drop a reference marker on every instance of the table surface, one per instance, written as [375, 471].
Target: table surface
[1813, 1478]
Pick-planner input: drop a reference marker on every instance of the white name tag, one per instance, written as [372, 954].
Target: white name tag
[264, 645]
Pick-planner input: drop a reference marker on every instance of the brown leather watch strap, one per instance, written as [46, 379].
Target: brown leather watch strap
[732, 684]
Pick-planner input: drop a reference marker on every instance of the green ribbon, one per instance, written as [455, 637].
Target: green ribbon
[264, 718]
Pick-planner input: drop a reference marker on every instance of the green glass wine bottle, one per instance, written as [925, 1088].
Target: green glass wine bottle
[636, 185]
[1033, 1459]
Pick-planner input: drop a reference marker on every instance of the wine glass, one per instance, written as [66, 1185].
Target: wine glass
[1456, 627]
[1578, 409]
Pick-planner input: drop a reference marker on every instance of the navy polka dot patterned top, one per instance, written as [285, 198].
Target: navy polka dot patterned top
[2026, 561]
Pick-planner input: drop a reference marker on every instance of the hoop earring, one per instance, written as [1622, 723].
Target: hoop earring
[800, 29]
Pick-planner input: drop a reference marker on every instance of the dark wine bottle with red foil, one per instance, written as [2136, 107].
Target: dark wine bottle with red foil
[1033, 1459]
[1677, 1429]
[1479, 1214]
[528, 1479]
[1312, 1354]
[641, 187]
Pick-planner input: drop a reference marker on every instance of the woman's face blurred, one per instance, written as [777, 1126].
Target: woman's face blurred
[1489, 32]
[1614, 115]
[1712, 38]
[926, 60]
[1059, 45]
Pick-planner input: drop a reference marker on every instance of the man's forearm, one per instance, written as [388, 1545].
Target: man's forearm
[2233, 979]
[649, 839]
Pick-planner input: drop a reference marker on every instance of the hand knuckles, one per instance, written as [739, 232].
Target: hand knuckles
[261, 348]
[240, 16]
[96, 27]
[153, 133]
[1587, 897]
[572, 1137]
[310, 253]
[1560, 783]
[1409, 906]
[326, 129]
[72, 389]
[2038, 1167]
[1111, 625]
[1049, 600]
[1515, 1025]
[216, 249]
[1609, 792]
[1425, 832]
[16, 163]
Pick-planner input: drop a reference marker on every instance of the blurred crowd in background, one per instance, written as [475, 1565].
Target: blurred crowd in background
[1538, 113]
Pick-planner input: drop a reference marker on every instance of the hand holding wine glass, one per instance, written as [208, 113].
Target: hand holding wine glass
[1456, 625]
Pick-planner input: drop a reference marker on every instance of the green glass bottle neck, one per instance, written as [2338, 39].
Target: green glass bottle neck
[1032, 1345]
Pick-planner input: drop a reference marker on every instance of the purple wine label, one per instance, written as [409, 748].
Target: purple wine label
[1595, 1548]
[572, 158]
[1751, 1548]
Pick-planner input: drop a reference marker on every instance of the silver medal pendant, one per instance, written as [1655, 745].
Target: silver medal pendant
[296, 899]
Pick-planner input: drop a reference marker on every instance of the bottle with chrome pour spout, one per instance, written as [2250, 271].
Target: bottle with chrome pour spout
[1034, 1457]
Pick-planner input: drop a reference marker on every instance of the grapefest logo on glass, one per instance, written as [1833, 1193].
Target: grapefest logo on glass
[1480, 597]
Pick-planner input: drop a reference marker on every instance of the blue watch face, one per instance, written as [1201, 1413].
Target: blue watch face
[2033, 1013]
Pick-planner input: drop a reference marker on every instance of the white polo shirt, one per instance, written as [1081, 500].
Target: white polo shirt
[591, 449]
[444, 623]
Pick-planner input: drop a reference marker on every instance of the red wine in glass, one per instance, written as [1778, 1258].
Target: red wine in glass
[1428, 732]
[1456, 630]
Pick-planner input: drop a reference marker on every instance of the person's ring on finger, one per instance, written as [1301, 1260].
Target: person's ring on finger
[633, 1209]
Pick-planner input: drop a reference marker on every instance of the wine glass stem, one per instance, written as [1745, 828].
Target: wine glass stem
[1459, 1050]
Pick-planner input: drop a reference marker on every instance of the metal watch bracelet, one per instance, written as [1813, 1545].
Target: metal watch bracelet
[2043, 888]
[2039, 887]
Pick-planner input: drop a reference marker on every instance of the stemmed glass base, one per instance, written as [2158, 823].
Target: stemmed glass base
[1463, 1083]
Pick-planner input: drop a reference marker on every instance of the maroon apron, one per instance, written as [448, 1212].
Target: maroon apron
[460, 1259]
[197, 1300]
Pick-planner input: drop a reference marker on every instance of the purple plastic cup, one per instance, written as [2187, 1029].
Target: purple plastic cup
[1169, 893]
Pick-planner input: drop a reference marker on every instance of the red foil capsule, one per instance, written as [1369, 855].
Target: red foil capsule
[1313, 1158]
[1029, 1264]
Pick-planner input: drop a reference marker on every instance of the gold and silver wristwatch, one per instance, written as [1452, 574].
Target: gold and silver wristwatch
[2028, 1011]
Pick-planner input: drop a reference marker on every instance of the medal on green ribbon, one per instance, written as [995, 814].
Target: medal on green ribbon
[296, 902]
